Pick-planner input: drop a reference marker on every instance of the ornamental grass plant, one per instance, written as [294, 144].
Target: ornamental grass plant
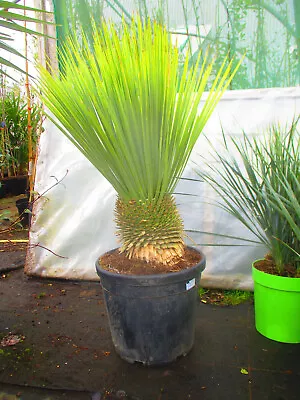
[126, 106]
[258, 180]
[14, 157]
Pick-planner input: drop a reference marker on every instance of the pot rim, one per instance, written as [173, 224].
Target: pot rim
[179, 274]
[277, 282]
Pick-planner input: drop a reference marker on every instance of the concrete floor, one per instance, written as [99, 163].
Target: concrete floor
[66, 350]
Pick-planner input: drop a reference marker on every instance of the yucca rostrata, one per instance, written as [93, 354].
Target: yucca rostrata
[130, 109]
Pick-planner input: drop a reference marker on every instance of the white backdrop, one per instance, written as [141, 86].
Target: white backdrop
[73, 224]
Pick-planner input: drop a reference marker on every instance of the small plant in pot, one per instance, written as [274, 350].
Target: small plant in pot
[14, 108]
[14, 158]
[258, 180]
[133, 114]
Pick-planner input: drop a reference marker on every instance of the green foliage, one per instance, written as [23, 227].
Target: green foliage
[224, 297]
[121, 108]
[5, 214]
[235, 297]
[125, 107]
[74, 16]
[14, 134]
[258, 181]
[10, 19]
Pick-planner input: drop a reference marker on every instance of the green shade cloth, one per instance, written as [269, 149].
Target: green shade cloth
[267, 31]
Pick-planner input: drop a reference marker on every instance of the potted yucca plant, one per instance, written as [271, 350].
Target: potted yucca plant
[258, 180]
[133, 113]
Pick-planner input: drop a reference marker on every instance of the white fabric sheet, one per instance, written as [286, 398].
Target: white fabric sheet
[73, 222]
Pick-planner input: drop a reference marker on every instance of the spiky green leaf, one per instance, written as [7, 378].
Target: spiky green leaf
[260, 187]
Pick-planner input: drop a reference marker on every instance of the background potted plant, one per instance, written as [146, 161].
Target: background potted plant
[128, 108]
[14, 122]
[14, 140]
[258, 181]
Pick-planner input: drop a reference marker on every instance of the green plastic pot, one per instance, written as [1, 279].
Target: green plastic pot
[277, 306]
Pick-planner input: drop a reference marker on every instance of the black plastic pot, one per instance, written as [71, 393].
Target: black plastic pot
[25, 217]
[15, 185]
[2, 190]
[152, 317]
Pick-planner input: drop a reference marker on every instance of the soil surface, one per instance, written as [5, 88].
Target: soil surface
[117, 262]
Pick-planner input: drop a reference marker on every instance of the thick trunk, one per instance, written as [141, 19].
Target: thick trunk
[151, 230]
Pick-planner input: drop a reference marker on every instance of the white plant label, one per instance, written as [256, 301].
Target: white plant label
[190, 284]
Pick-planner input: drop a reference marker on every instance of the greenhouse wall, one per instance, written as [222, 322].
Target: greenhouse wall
[73, 221]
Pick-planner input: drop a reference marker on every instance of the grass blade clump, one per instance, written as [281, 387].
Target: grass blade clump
[260, 187]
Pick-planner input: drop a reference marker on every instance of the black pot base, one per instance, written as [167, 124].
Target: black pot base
[155, 364]
[25, 217]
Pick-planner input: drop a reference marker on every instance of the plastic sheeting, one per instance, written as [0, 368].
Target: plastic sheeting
[73, 222]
